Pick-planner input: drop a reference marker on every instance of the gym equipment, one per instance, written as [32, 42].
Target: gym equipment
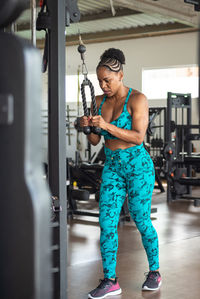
[169, 151]
[178, 148]
[43, 22]
[69, 127]
[25, 198]
[87, 82]
[87, 175]
[10, 10]
[59, 14]
[87, 178]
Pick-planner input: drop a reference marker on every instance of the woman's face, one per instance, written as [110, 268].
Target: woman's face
[109, 81]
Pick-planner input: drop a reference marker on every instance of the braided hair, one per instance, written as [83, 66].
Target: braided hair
[113, 59]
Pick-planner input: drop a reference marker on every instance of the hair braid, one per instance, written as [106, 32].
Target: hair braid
[113, 59]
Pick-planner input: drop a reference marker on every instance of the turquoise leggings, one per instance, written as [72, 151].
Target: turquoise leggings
[127, 172]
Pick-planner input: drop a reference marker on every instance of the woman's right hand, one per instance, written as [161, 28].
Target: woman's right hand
[85, 121]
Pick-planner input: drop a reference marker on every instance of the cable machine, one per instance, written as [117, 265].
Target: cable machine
[53, 18]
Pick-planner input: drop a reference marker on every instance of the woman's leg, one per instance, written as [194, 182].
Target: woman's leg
[140, 188]
[112, 196]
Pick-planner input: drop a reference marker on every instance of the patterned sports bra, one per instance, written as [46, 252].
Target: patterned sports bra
[124, 121]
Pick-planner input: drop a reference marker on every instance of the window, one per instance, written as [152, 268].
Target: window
[157, 82]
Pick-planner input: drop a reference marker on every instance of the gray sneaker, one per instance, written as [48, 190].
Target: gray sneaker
[107, 287]
[153, 281]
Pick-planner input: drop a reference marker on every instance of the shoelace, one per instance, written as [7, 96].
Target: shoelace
[151, 275]
[103, 283]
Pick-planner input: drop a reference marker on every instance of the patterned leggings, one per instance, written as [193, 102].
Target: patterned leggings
[129, 171]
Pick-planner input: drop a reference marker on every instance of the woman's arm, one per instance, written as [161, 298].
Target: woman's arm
[94, 139]
[140, 116]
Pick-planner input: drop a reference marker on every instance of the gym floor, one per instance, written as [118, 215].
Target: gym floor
[178, 227]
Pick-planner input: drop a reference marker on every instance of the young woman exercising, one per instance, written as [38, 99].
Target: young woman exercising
[123, 119]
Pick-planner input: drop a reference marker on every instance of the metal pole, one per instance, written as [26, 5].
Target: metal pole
[169, 116]
[33, 22]
[199, 72]
[57, 142]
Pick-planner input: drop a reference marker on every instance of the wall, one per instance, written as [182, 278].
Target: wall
[169, 50]
[152, 52]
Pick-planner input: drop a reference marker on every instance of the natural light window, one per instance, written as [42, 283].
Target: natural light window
[72, 82]
[157, 82]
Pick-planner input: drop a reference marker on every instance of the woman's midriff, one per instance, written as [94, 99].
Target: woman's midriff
[117, 144]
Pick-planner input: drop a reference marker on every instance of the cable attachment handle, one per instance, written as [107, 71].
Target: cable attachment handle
[87, 82]
[86, 130]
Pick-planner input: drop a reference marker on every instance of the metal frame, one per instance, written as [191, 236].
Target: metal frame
[61, 14]
[180, 163]
[57, 144]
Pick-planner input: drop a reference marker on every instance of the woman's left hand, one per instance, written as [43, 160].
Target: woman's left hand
[98, 121]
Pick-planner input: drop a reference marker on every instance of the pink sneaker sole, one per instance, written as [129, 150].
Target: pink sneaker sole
[113, 293]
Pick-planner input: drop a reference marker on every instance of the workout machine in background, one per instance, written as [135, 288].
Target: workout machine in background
[180, 161]
[84, 180]
[25, 249]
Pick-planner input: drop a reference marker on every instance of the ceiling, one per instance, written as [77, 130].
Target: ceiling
[108, 20]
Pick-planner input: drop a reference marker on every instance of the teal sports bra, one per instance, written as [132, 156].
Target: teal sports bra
[124, 121]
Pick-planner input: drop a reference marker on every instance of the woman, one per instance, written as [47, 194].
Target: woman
[123, 119]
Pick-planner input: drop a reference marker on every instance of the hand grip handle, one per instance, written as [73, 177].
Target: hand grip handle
[86, 130]
[96, 130]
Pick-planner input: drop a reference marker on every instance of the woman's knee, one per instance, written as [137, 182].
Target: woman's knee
[107, 223]
[143, 223]
[146, 229]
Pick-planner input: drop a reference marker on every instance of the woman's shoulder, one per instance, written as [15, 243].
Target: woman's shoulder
[137, 100]
[137, 96]
[99, 99]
